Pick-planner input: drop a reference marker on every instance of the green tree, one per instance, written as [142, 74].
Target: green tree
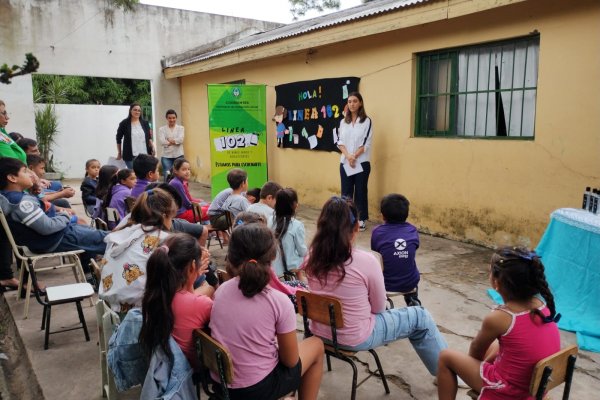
[299, 8]
[7, 73]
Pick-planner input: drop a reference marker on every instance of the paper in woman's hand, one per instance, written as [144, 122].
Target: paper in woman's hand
[352, 170]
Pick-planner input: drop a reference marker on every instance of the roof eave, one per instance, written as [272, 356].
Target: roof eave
[419, 14]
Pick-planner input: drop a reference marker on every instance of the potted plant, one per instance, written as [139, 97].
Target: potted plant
[49, 90]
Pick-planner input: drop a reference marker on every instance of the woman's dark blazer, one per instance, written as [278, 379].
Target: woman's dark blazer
[124, 135]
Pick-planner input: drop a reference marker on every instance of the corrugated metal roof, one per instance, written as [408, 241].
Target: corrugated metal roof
[298, 28]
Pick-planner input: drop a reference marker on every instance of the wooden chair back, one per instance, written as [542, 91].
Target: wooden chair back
[223, 276]
[319, 308]
[197, 210]
[214, 356]
[559, 368]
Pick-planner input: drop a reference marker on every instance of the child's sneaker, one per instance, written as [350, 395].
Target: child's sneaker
[362, 226]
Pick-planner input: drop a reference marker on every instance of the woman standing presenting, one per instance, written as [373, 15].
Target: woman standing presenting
[355, 134]
[170, 137]
[136, 136]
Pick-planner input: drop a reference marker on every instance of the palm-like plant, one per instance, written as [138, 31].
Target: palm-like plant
[50, 90]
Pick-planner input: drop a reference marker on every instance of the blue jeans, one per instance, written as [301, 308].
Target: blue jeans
[355, 187]
[167, 164]
[414, 323]
[82, 237]
[129, 164]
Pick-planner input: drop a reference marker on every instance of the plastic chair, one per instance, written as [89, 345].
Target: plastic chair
[107, 320]
[112, 215]
[216, 358]
[328, 310]
[27, 260]
[549, 373]
[217, 232]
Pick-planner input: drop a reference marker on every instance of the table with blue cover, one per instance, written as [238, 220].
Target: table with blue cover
[570, 251]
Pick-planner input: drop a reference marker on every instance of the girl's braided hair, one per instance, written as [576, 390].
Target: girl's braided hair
[521, 274]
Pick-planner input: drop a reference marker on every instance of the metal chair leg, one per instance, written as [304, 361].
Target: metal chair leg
[354, 378]
[47, 336]
[380, 370]
[43, 319]
[82, 320]
[328, 362]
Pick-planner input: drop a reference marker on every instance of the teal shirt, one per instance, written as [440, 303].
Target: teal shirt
[8, 147]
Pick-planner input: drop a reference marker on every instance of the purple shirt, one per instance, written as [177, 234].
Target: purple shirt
[139, 188]
[117, 201]
[362, 294]
[186, 204]
[397, 244]
[248, 328]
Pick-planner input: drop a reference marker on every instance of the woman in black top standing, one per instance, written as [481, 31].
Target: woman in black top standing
[135, 134]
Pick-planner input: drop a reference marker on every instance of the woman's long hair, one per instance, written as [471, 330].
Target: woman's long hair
[251, 250]
[166, 273]
[361, 113]
[331, 247]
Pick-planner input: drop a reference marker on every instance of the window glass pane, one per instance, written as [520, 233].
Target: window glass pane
[494, 94]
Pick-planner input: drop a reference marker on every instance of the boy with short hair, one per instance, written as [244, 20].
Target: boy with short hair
[42, 230]
[29, 146]
[237, 202]
[229, 199]
[267, 199]
[397, 241]
[58, 197]
[145, 168]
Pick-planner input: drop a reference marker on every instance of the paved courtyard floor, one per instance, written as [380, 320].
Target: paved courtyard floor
[452, 288]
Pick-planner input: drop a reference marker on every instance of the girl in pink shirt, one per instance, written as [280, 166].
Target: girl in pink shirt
[524, 327]
[170, 305]
[335, 268]
[257, 324]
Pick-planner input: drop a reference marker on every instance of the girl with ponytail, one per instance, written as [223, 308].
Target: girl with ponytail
[257, 324]
[524, 327]
[170, 305]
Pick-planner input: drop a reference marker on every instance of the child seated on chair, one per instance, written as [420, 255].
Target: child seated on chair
[247, 310]
[89, 184]
[513, 337]
[42, 229]
[57, 197]
[105, 176]
[397, 241]
[266, 204]
[145, 167]
[230, 199]
[181, 177]
[119, 190]
[171, 306]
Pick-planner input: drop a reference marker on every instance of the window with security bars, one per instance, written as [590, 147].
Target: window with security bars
[479, 91]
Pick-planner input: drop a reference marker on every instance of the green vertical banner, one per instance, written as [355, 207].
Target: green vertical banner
[238, 130]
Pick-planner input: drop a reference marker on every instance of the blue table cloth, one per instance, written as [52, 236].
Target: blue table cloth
[570, 251]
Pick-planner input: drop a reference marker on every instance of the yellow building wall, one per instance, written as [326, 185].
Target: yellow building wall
[487, 191]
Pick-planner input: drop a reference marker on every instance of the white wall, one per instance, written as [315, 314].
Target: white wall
[91, 38]
[85, 131]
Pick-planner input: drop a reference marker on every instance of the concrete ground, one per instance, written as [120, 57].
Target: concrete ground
[452, 288]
